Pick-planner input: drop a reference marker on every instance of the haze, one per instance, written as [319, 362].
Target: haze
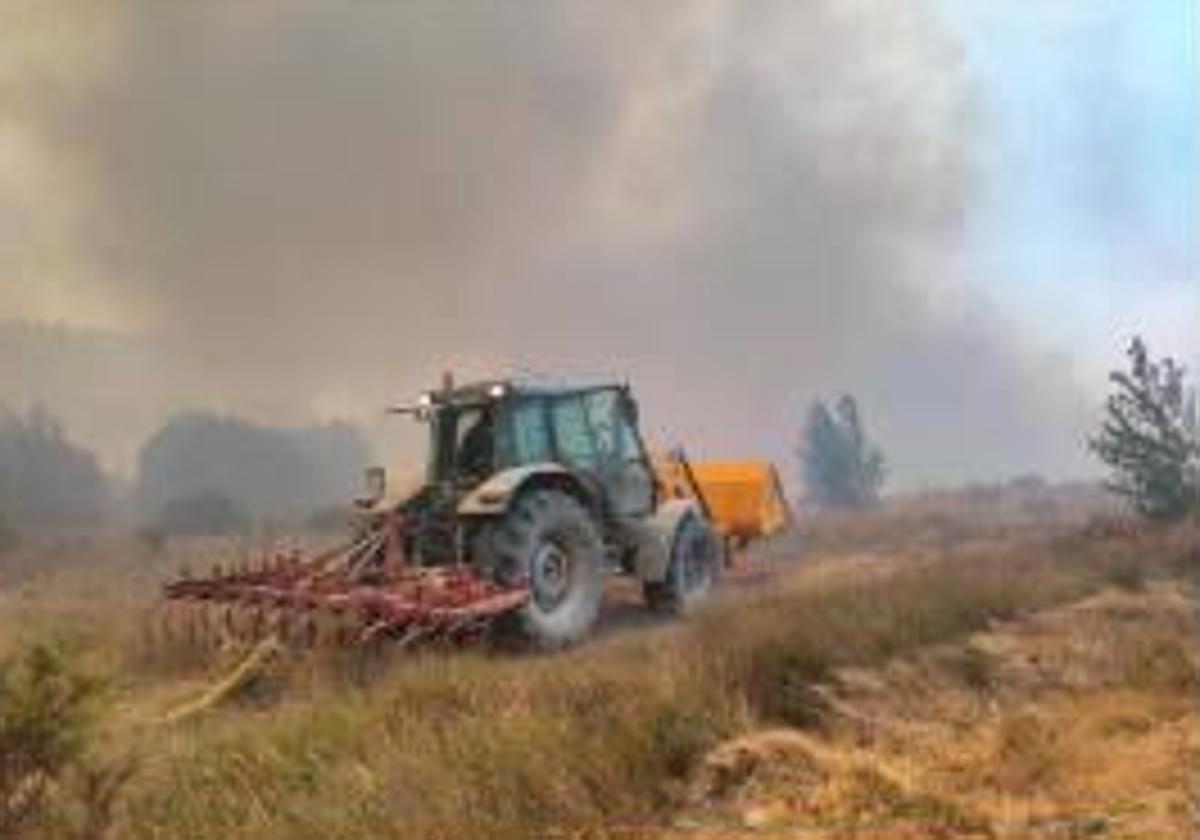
[301, 211]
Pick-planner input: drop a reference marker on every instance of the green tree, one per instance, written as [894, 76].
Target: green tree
[46, 480]
[264, 472]
[840, 467]
[207, 513]
[1150, 437]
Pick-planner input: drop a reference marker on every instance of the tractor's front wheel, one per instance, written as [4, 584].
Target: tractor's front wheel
[548, 539]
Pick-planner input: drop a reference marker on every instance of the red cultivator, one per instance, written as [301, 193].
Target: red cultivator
[354, 594]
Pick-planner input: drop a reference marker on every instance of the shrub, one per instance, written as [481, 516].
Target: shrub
[679, 735]
[1127, 573]
[45, 722]
[780, 682]
[972, 665]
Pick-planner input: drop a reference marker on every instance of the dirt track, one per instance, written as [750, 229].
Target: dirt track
[625, 609]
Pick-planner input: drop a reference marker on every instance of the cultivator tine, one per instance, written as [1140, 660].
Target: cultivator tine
[192, 623]
[229, 621]
[209, 622]
[155, 628]
[410, 637]
[281, 622]
[242, 624]
[372, 632]
[330, 599]
[310, 633]
[338, 634]
[324, 628]
[258, 623]
[166, 620]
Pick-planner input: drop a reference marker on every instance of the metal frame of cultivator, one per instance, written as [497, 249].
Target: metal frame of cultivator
[359, 592]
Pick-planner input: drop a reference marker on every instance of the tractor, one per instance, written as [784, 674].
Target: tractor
[550, 489]
[532, 495]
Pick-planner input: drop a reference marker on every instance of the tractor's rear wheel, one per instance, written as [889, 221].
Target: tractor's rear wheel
[548, 539]
[696, 560]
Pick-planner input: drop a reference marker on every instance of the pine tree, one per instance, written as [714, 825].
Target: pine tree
[839, 465]
[1150, 437]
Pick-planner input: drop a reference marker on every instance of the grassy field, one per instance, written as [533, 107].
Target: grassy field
[965, 665]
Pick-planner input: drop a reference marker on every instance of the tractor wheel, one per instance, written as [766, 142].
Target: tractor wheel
[549, 539]
[696, 559]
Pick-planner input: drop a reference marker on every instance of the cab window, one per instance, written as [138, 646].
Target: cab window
[601, 409]
[473, 446]
[528, 434]
[572, 434]
[631, 446]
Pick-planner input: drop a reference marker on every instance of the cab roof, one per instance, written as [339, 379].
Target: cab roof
[486, 391]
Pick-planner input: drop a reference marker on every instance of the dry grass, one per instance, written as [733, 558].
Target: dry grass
[940, 520]
[606, 740]
[1086, 725]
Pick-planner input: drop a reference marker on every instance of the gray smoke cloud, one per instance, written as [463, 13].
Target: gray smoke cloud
[313, 208]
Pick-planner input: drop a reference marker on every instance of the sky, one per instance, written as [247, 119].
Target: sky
[958, 210]
[1087, 220]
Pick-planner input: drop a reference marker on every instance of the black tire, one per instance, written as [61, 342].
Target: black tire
[696, 559]
[550, 540]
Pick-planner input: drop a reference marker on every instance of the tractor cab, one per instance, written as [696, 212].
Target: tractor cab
[482, 431]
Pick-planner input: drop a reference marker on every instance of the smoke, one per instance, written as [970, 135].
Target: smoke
[313, 208]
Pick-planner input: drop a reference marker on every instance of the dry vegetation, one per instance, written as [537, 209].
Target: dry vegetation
[931, 669]
[1076, 722]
